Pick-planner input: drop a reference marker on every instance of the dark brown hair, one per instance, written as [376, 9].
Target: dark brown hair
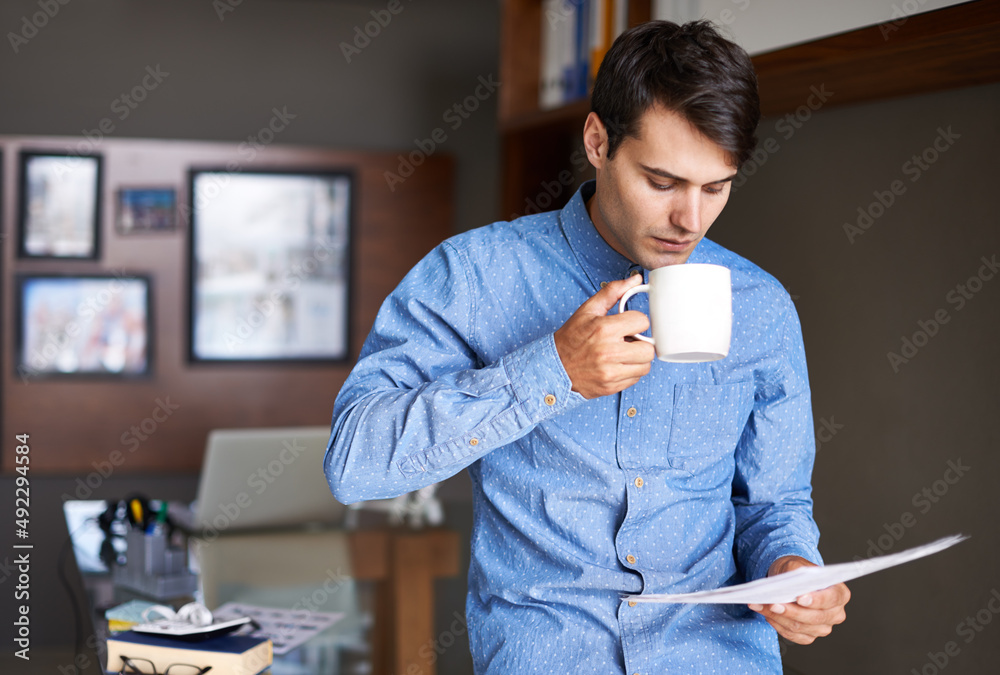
[689, 69]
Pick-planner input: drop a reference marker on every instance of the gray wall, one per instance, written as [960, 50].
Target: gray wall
[223, 78]
[890, 435]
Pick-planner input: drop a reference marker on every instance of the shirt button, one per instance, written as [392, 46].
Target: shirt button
[631, 412]
[550, 400]
[631, 603]
[639, 482]
[603, 284]
[635, 272]
[630, 558]
[474, 441]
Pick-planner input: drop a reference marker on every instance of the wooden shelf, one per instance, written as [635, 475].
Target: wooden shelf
[520, 58]
[957, 46]
[537, 145]
[571, 112]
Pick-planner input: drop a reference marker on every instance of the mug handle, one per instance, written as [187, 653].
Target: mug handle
[641, 288]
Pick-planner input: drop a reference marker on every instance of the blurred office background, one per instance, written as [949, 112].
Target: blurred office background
[869, 272]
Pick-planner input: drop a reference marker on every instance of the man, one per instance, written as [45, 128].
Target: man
[596, 471]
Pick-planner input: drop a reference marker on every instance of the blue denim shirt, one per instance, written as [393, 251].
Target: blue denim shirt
[461, 371]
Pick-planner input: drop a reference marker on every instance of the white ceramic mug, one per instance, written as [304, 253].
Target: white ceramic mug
[690, 312]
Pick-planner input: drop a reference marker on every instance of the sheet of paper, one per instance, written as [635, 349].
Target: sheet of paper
[786, 587]
[287, 628]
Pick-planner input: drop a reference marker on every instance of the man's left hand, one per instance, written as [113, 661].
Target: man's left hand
[812, 615]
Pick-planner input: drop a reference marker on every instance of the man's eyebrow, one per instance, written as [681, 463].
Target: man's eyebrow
[666, 174]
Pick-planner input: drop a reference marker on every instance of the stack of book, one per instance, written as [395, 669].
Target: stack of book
[575, 36]
[229, 654]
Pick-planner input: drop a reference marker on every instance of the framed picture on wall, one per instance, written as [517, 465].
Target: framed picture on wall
[269, 265]
[146, 209]
[83, 325]
[60, 205]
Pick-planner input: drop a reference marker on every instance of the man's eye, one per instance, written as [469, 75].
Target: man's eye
[713, 191]
[663, 187]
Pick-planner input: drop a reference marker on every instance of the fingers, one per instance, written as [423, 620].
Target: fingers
[625, 325]
[593, 347]
[797, 633]
[612, 366]
[601, 302]
[606, 383]
[617, 325]
[638, 353]
[801, 629]
[811, 616]
[828, 598]
[607, 333]
[601, 367]
[629, 322]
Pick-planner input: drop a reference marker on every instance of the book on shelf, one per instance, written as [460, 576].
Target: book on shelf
[230, 654]
[575, 36]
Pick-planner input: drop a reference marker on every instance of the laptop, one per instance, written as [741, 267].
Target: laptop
[254, 479]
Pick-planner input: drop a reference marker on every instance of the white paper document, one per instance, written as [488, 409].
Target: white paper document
[790, 585]
[286, 628]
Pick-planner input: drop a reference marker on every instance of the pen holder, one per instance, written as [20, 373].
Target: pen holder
[154, 549]
[153, 567]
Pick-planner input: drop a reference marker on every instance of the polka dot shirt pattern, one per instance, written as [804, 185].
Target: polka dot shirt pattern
[695, 477]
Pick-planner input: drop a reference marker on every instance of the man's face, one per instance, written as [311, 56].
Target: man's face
[662, 191]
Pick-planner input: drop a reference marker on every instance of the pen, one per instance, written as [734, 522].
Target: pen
[158, 526]
[137, 514]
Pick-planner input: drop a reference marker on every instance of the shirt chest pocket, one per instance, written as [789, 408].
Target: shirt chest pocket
[706, 423]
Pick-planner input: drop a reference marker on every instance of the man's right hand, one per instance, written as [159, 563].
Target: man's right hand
[593, 347]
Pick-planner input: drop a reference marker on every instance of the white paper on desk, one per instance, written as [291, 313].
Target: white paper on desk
[790, 585]
[286, 628]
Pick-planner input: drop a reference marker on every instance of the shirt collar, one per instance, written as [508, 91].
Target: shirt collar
[600, 262]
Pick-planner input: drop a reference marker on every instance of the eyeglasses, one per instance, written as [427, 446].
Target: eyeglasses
[129, 667]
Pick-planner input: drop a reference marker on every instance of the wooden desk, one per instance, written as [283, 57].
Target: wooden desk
[404, 565]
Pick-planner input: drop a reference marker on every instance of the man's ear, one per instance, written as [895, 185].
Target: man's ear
[595, 141]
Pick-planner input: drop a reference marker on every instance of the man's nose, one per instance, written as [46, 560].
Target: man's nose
[687, 211]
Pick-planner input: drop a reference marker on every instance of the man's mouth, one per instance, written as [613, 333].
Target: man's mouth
[673, 244]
